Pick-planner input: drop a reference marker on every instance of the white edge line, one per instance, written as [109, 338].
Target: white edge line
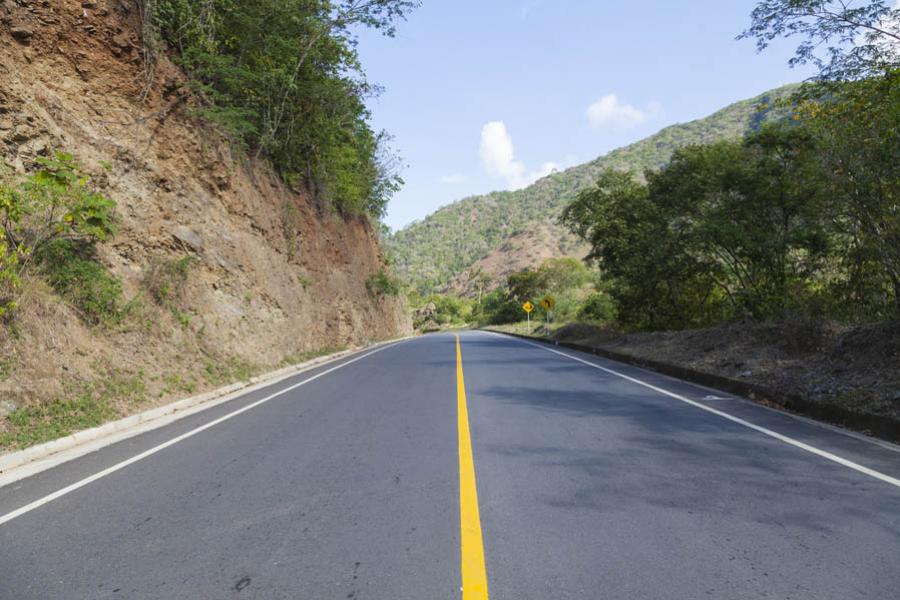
[778, 436]
[121, 465]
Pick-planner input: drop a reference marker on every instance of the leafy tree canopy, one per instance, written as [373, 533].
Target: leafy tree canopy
[284, 79]
[844, 40]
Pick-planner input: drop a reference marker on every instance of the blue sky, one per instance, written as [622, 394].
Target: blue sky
[488, 95]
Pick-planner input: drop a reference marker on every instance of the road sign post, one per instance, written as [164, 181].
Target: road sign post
[528, 307]
[547, 303]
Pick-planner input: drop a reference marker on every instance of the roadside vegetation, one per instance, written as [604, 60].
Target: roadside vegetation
[52, 220]
[799, 218]
[432, 252]
[283, 79]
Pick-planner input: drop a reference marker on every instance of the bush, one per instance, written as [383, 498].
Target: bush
[9, 279]
[498, 308]
[598, 307]
[75, 274]
[448, 310]
[56, 215]
[382, 284]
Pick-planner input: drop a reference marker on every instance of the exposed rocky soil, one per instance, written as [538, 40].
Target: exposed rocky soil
[857, 367]
[523, 250]
[275, 276]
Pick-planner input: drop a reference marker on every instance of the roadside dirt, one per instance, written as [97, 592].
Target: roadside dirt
[856, 367]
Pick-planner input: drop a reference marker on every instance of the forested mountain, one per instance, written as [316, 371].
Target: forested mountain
[432, 252]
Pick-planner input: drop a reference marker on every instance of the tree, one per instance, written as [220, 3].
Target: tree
[858, 133]
[725, 230]
[639, 245]
[757, 214]
[284, 80]
[560, 275]
[845, 42]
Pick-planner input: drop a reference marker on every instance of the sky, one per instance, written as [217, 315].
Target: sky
[484, 95]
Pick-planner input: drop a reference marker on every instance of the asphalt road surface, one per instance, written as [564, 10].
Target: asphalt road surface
[519, 472]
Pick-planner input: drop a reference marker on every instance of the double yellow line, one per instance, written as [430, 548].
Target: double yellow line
[474, 573]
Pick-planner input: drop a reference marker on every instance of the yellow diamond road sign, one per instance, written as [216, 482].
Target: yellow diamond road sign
[548, 302]
[528, 307]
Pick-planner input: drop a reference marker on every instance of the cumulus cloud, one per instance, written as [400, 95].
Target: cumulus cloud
[498, 157]
[609, 111]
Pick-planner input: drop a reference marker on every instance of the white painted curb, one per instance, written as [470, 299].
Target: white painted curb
[24, 463]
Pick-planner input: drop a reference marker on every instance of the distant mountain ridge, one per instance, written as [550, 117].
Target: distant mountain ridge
[435, 253]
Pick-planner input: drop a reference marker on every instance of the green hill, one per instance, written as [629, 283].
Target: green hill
[432, 252]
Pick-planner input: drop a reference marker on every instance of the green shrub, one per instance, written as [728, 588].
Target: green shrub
[73, 272]
[9, 278]
[47, 215]
[598, 307]
[448, 310]
[382, 284]
[497, 308]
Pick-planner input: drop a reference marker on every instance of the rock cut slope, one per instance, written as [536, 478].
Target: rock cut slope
[273, 276]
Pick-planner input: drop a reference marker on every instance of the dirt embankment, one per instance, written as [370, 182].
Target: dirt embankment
[856, 368]
[273, 276]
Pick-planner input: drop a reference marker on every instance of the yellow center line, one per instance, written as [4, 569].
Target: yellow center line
[474, 574]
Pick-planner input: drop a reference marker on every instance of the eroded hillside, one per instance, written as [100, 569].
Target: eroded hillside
[265, 276]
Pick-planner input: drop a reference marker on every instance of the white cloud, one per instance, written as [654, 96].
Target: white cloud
[609, 111]
[453, 179]
[498, 158]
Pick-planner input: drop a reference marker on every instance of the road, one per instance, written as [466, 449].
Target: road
[518, 472]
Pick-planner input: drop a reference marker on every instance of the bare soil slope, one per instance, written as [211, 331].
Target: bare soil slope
[524, 250]
[274, 275]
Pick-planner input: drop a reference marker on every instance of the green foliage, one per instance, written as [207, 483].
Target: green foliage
[9, 277]
[443, 310]
[857, 129]
[284, 79]
[383, 283]
[597, 308]
[796, 218]
[54, 214]
[56, 201]
[432, 252]
[34, 425]
[568, 280]
[498, 308]
[74, 273]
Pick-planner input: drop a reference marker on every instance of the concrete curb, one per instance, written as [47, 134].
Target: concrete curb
[89, 440]
[884, 427]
